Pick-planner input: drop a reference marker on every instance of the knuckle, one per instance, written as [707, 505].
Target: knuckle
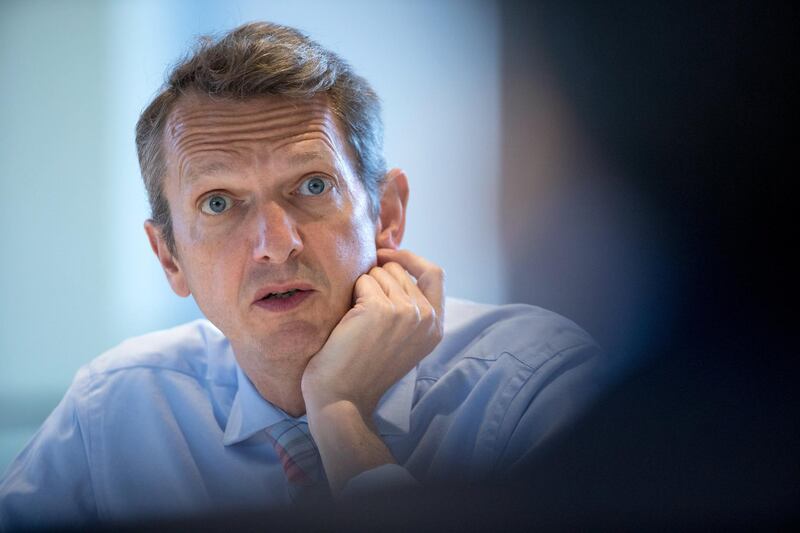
[389, 308]
[436, 325]
[408, 313]
[410, 310]
[426, 313]
[436, 334]
[393, 268]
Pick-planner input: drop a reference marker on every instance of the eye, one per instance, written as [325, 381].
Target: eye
[216, 204]
[314, 186]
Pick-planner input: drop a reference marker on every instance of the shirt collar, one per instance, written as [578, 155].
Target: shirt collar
[251, 413]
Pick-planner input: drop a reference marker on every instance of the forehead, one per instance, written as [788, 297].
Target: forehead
[203, 132]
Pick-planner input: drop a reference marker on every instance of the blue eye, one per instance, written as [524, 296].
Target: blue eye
[215, 204]
[314, 186]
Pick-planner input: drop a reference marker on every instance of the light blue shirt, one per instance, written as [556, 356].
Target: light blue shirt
[167, 424]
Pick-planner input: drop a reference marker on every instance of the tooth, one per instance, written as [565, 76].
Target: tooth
[286, 294]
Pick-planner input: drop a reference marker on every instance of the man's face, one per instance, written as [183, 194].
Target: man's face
[264, 201]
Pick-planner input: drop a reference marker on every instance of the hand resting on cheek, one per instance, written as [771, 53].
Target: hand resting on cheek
[394, 323]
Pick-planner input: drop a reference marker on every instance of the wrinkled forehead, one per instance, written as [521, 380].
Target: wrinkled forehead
[202, 127]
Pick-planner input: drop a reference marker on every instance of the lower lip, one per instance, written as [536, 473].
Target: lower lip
[279, 305]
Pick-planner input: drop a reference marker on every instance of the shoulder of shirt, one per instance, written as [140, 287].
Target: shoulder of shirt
[529, 334]
[184, 349]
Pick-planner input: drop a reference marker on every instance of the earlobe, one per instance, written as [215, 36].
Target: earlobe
[394, 199]
[167, 260]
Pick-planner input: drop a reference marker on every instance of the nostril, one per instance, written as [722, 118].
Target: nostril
[277, 238]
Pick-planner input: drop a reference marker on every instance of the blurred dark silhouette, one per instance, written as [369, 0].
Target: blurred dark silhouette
[689, 105]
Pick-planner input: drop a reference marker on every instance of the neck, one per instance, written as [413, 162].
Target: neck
[289, 398]
[277, 381]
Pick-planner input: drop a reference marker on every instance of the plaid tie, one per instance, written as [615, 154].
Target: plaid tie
[300, 459]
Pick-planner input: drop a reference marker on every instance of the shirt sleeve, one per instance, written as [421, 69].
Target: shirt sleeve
[388, 476]
[551, 400]
[49, 482]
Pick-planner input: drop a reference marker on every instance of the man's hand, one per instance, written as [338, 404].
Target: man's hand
[394, 323]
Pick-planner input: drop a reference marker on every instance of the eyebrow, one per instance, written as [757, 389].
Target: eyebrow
[305, 157]
[195, 172]
[205, 169]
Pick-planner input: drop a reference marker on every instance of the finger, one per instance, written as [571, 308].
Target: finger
[391, 287]
[405, 280]
[366, 287]
[430, 276]
[410, 261]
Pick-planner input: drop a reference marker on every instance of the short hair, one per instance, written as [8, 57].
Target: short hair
[259, 59]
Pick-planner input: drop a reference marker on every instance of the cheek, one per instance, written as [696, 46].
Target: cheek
[212, 266]
[356, 249]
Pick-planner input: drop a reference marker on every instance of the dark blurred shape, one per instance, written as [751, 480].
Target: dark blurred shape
[687, 106]
[683, 110]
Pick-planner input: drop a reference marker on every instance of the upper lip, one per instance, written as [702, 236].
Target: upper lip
[265, 291]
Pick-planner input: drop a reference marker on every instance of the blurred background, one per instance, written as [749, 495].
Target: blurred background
[615, 162]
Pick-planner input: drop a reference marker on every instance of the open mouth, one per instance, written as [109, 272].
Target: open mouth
[283, 300]
[282, 295]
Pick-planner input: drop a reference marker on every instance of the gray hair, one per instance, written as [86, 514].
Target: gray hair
[258, 59]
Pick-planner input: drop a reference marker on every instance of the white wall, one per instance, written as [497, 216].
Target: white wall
[76, 273]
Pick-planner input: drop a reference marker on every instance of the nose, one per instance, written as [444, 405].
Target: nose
[277, 238]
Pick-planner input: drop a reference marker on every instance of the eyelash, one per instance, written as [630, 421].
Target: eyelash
[208, 197]
[329, 183]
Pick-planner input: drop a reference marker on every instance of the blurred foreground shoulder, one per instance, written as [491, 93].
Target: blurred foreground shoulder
[504, 380]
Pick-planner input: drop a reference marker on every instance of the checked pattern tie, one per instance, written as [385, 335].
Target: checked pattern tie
[300, 459]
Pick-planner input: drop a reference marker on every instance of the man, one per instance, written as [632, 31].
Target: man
[325, 362]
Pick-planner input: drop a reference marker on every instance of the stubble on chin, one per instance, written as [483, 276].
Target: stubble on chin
[291, 347]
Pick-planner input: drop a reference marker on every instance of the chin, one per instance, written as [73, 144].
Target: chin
[294, 341]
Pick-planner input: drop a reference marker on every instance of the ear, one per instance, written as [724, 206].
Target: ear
[394, 199]
[168, 262]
